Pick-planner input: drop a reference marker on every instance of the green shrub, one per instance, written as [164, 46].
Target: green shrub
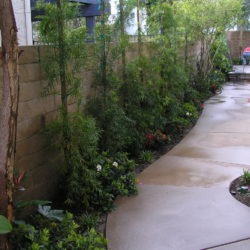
[116, 175]
[80, 186]
[113, 122]
[47, 234]
[85, 188]
[190, 112]
[79, 180]
[246, 177]
[216, 77]
[145, 156]
[237, 61]
[81, 130]
[176, 121]
[87, 221]
[220, 55]
[94, 186]
[192, 96]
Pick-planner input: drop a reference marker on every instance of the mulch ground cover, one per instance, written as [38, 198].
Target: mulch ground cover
[240, 191]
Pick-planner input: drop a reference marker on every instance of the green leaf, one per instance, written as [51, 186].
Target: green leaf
[51, 213]
[5, 226]
[22, 204]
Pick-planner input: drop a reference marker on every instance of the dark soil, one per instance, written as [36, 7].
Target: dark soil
[237, 193]
[162, 150]
[156, 155]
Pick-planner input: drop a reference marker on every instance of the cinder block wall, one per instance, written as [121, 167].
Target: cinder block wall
[237, 41]
[33, 155]
[40, 163]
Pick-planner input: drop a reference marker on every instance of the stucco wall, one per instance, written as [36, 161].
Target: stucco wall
[237, 41]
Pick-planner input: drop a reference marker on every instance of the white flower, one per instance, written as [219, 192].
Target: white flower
[21, 188]
[99, 168]
[115, 164]
[188, 114]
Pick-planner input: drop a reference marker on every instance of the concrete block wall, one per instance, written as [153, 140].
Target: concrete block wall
[33, 155]
[40, 163]
[237, 41]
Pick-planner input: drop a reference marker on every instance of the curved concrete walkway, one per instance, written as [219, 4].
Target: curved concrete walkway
[183, 201]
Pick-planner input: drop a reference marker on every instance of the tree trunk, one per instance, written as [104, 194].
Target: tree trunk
[63, 81]
[241, 41]
[103, 67]
[186, 50]
[122, 30]
[8, 109]
[139, 39]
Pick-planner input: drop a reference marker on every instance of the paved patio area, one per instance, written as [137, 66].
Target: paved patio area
[183, 201]
[242, 68]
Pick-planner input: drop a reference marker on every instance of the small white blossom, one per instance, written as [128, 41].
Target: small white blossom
[99, 168]
[188, 114]
[115, 164]
[21, 188]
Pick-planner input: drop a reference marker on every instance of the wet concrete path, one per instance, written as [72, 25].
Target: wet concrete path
[183, 201]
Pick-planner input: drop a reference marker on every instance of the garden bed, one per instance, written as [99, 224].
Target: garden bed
[101, 227]
[237, 193]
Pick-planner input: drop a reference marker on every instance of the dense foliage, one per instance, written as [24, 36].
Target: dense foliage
[133, 109]
[165, 90]
[44, 233]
